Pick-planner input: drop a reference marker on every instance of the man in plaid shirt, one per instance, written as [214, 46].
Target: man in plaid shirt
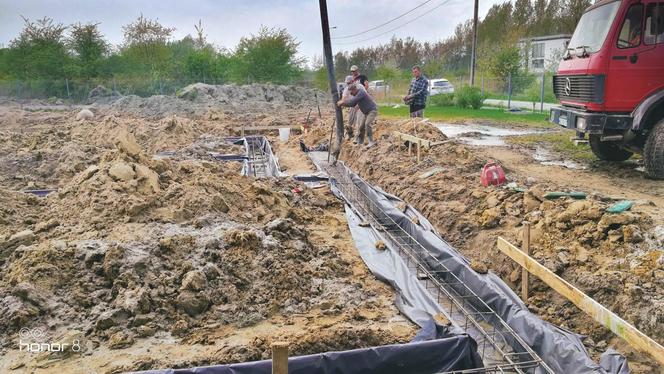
[417, 93]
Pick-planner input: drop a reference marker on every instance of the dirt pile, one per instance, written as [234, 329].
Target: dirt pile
[198, 99]
[134, 252]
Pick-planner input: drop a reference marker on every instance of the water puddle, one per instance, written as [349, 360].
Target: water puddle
[480, 135]
[545, 157]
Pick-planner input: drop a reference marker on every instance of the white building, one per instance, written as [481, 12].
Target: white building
[541, 51]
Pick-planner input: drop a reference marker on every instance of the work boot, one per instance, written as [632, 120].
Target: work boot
[371, 144]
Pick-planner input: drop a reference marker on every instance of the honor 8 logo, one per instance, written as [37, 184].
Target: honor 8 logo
[36, 340]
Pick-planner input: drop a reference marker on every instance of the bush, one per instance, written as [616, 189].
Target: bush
[469, 97]
[442, 100]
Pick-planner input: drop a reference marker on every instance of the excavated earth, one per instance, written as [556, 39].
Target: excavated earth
[151, 254]
[615, 258]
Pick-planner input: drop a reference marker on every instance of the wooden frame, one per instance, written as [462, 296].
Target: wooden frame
[597, 311]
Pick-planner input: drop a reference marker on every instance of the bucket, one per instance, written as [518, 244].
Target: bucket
[284, 134]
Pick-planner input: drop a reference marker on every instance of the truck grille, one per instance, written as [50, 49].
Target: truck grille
[582, 88]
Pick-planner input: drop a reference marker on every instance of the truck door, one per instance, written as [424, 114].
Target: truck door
[636, 68]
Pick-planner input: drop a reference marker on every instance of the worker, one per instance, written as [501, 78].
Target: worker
[359, 77]
[367, 106]
[417, 93]
[364, 81]
[352, 112]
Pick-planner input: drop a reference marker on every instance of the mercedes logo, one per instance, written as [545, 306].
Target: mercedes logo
[568, 87]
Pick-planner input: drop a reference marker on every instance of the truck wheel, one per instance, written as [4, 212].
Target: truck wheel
[653, 153]
[608, 151]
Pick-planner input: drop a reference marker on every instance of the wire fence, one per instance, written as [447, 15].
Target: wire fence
[79, 90]
[525, 91]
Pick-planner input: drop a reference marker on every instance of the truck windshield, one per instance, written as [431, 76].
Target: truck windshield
[593, 27]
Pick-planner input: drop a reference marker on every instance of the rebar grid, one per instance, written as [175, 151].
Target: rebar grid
[501, 349]
[257, 162]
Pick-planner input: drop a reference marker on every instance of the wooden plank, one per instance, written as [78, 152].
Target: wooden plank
[597, 311]
[413, 139]
[280, 358]
[524, 272]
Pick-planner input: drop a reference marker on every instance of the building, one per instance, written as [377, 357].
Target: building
[541, 51]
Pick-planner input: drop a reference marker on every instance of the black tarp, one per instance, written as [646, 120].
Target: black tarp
[435, 356]
[562, 350]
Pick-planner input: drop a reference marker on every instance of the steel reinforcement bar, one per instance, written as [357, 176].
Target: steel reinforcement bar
[502, 350]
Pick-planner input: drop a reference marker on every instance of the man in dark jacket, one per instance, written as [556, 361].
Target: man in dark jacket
[417, 93]
[361, 98]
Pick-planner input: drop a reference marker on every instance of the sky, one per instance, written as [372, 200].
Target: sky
[226, 21]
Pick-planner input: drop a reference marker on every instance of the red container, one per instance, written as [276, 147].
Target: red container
[492, 174]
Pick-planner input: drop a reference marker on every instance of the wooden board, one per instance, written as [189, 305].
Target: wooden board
[426, 144]
[597, 311]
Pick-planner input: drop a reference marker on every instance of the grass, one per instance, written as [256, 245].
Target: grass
[495, 116]
[559, 142]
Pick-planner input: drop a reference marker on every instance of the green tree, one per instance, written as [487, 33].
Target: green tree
[269, 56]
[145, 45]
[89, 48]
[39, 51]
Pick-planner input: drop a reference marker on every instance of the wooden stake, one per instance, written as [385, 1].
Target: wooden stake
[280, 358]
[419, 145]
[410, 146]
[524, 272]
[597, 311]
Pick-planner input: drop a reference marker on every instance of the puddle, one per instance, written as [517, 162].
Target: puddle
[481, 135]
[545, 157]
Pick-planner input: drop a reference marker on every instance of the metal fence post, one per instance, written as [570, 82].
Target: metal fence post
[114, 87]
[542, 93]
[509, 92]
[67, 84]
[482, 84]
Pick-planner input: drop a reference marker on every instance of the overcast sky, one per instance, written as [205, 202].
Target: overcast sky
[226, 21]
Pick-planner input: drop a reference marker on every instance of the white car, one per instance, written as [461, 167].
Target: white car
[440, 86]
[379, 87]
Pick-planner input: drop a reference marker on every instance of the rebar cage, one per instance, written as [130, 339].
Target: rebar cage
[502, 350]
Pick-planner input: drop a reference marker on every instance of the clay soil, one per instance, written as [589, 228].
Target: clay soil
[615, 258]
[151, 254]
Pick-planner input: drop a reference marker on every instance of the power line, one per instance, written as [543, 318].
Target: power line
[398, 27]
[382, 24]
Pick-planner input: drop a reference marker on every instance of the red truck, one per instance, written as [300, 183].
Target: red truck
[610, 83]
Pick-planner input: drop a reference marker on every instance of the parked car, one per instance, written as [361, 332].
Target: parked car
[440, 86]
[379, 87]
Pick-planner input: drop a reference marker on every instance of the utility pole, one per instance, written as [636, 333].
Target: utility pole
[473, 55]
[327, 46]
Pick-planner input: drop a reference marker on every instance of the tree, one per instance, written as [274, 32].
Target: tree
[269, 56]
[39, 51]
[504, 62]
[89, 47]
[145, 43]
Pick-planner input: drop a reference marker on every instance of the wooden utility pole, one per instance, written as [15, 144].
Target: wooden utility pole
[327, 47]
[473, 55]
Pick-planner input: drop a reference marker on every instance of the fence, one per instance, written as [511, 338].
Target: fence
[525, 91]
[78, 90]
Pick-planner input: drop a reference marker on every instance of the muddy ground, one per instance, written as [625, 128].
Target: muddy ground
[151, 254]
[615, 258]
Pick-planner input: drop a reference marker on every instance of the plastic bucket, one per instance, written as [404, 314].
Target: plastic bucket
[284, 134]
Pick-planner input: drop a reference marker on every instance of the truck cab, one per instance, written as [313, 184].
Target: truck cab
[610, 83]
